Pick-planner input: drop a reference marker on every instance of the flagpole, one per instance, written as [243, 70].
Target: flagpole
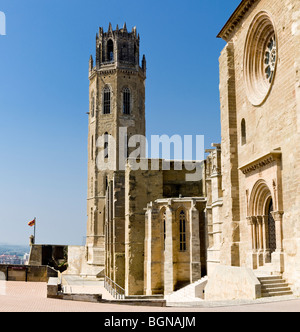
[34, 231]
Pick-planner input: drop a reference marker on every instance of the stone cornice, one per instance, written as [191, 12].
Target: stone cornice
[261, 162]
[113, 70]
[235, 19]
[180, 200]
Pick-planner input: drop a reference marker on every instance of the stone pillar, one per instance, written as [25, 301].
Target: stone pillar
[152, 264]
[277, 256]
[252, 256]
[147, 261]
[168, 266]
[260, 254]
[195, 259]
[229, 251]
[278, 216]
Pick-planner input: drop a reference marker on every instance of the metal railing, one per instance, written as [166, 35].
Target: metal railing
[114, 289]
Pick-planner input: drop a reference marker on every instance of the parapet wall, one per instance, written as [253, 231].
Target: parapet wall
[232, 283]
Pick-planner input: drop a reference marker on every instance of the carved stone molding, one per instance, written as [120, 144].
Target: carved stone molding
[274, 156]
[235, 19]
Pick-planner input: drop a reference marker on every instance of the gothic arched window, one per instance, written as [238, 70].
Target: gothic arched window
[93, 105]
[106, 145]
[182, 231]
[106, 100]
[126, 101]
[110, 51]
[92, 147]
[243, 132]
[164, 227]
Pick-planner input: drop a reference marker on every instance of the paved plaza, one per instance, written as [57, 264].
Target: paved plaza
[32, 297]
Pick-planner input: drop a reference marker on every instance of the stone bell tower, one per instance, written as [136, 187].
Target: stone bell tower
[117, 108]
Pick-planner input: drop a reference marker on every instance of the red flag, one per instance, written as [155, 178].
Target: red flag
[31, 223]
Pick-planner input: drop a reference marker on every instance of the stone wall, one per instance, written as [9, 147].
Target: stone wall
[232, 283]
[271, 125]
[175, 244]
[51, 255]
[28, 273]
[141, 188]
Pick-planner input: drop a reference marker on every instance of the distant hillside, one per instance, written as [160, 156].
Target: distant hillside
[9, 249]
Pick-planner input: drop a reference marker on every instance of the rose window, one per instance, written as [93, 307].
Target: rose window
[270, 59]
[260, 58]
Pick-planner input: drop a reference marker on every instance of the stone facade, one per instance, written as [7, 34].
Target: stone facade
[259, 89]
[151, 231]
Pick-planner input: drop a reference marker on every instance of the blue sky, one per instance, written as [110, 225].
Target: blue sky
[44, 98]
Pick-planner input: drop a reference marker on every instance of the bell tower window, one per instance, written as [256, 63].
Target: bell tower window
[106, 101]
[110, 51]
[93, 105]
[126, 101]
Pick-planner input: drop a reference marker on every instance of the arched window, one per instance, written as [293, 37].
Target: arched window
[126, 101]
[92, 147]
[110, 51]
[182, 231]
[92, 221]
[93, 105]
[243, 132]
[164, 227]
[106, 100]
[106, 145]
[136, 60]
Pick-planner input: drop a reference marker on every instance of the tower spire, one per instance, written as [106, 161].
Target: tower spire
[110, 28]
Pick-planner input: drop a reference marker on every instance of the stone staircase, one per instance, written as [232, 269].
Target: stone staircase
[192, 293]
[274, 285]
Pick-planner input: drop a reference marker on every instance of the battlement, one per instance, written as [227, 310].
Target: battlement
[119, 48]
[122, 33]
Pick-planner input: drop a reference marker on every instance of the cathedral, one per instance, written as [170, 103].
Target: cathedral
[153, 230]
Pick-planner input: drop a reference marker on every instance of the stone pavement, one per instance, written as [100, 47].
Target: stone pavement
[32, 297]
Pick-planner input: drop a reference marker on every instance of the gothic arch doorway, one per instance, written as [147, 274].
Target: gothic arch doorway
[261, 221]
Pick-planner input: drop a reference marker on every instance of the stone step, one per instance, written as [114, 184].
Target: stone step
[274, 286]
[275, 293]
[144, 297]
[267, 278]
[283, 287]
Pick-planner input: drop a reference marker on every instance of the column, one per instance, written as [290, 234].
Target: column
[153, 249]
[278, 216]
[195, 260]
[260, 254]
[148, 251]
[168, 266]
[252, 256]
[278, 256]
